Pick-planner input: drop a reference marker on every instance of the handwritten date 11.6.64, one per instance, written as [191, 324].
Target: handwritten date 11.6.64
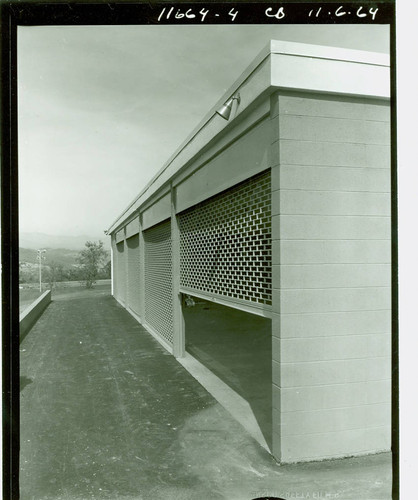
[341, 11]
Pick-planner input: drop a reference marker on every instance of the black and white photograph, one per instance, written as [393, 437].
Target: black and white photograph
[204, 224]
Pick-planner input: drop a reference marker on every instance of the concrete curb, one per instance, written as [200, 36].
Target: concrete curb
[29, 316]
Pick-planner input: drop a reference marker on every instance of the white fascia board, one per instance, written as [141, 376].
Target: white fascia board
[311, 68]
[280, 65]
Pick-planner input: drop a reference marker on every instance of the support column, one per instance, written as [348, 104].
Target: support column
[178, 323]
[276, 287]
[125, 255]
[112, 265]
[141, 271]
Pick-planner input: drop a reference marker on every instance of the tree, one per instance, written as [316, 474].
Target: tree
[54, 272]
[28, 272]
[72, 274]
[91, 260]
[106, 271]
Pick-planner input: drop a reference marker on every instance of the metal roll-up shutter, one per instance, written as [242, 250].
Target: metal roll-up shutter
[132, 246]
[225, 244]
[158, 279]
[120, 281]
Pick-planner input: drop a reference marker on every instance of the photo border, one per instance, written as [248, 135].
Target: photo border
[32, 13]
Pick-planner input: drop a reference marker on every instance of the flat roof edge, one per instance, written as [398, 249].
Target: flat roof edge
[328, 52]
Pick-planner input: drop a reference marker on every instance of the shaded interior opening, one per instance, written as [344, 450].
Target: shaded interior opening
[236, 346]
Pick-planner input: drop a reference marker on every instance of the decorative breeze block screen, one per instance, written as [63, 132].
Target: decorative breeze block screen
[225, 243]
[158, 279]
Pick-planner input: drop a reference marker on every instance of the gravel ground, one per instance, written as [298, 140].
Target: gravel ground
[108, 414]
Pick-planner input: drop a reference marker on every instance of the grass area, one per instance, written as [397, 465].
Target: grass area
[80, 291]
[63, 290]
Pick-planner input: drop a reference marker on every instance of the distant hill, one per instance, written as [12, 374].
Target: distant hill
[41, 240]
[62, 256]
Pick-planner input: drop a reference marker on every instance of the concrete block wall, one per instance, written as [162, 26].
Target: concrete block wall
[120, 271]
[331, 232]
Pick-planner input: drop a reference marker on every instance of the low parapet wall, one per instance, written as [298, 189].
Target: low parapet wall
[66, 284]
[29, 316]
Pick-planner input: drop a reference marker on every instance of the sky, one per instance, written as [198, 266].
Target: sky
[102, 108]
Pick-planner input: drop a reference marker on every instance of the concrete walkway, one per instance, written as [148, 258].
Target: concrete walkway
[106, 413]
